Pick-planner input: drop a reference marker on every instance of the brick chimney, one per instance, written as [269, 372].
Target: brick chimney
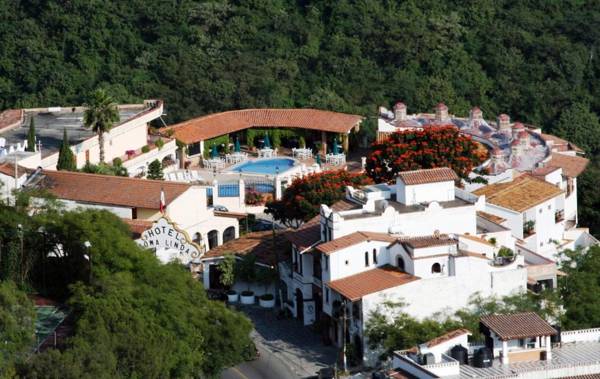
[516, 129]
[503, 122]
[400, 111]
[441, 113]
[476, 114]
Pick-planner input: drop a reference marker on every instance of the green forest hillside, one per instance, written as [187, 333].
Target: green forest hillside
[535, 60]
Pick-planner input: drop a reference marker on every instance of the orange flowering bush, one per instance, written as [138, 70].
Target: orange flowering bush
[301, 200]
[434, 146]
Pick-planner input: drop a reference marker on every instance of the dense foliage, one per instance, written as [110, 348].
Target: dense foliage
[301, 200]
[432, 147]
[16, 326]
[134, 317]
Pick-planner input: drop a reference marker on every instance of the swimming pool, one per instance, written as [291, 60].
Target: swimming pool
[269, 166]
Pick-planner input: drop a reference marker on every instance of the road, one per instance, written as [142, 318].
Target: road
[265, 367]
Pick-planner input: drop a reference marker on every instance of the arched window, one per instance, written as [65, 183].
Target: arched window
[366, 259]
[375, 256]
[229, 234]
[436, 268]
[401, 263]
[213, 239]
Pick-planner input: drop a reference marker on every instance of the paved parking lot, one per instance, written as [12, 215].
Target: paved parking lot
[296, 345]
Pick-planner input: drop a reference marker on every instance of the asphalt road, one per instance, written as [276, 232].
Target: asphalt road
[265, 367]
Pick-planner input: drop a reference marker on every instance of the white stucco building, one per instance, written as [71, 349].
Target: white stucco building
[137, 202]
[420, 241]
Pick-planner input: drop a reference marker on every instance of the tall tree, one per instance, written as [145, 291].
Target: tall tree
[155, 170]
[17, 318]
[66, 158]
[431, 147]
[100, 115]
[31, 135]
[301, 200]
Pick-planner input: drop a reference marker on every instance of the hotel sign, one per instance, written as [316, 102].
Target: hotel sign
[167, 239]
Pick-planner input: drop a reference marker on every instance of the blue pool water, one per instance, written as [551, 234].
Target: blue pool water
[265, 166]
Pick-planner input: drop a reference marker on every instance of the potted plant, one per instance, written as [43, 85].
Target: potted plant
[227, 278]
[266, 276]
[528, 228]
[267, 301]
[247, 273]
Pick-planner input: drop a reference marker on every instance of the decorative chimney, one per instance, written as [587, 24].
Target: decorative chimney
[476, 114]
[400, 111]
[503, 122]
[441, 113]
[516, 129]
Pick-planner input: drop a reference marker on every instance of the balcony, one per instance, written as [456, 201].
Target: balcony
[528, 228]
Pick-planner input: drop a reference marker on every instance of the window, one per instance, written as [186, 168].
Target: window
[521, 342]
[541, 210]
[366, 259]
[436, 268]
[326, 262]
[327, 295]
[375, 256]
[346, 262]
[549, 206]
[541, 244]
[400, 263]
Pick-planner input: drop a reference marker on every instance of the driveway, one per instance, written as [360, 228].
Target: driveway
[285, 342]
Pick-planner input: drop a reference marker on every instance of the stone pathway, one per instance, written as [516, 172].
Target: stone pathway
[296, 345]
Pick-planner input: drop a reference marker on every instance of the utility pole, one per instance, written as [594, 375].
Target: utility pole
[344, 337]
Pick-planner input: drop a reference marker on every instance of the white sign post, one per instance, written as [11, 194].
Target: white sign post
[169, 242]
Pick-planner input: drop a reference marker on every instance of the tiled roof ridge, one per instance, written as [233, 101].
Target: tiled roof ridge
[116, 177]
[446, 336]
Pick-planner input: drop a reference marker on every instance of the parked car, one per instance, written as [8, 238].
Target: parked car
[263, 225]
[220, 208]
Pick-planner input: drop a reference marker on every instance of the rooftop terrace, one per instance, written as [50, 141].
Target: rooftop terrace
[50, 123]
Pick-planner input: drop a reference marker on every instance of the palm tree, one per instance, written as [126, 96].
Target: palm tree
[100, 115]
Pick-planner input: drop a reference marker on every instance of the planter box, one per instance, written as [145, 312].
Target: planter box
[266, 303]
[247, 299]
[232, 298]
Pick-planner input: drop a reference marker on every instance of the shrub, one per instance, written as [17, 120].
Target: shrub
[254, 198]
[267, 296]
[247, 293]
[145, 149]
[159, 143]
[117, 162]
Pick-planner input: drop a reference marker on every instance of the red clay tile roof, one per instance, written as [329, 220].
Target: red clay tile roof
[447, 336]
[518, 325]
[432, 175]
[351, 240]
[110, 190]
[427, 241]
[476, 239]
[205, 127]
[490, 217]
[9, 169]
[572, 166]
[310, 232]
[356, 286]
[522, 193]
[260, 244]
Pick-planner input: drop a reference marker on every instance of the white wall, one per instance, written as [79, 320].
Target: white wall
[355, 256]
[414, 194]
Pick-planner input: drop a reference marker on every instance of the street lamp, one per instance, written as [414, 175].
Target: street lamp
[88, 256]
[42, 231]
